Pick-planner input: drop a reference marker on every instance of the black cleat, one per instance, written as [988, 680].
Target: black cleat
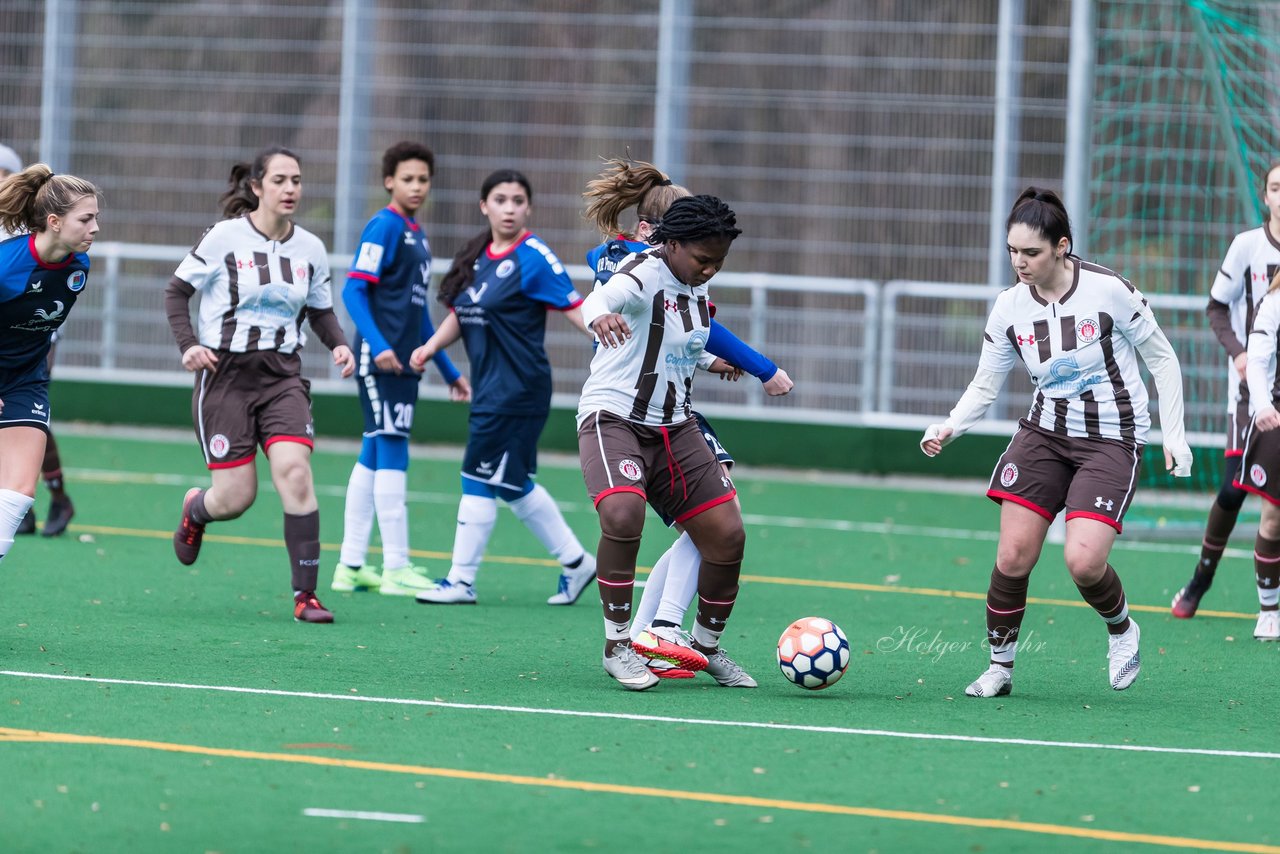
[28, 523]
[1187, 601]
[58, 517]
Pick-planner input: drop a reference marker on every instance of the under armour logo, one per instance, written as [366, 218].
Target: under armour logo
[1026, 340]
[714, 622]
[37, 286]
[1264, 582]
[1100, 503]
[624, 607]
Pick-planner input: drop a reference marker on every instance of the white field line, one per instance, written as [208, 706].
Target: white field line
[406, 818]
[753, 519]
[619, 716]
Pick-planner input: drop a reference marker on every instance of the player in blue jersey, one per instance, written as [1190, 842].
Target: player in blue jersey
[386, 295]
[60, 508]
[500, 287]
[673, 582]
[42, 273]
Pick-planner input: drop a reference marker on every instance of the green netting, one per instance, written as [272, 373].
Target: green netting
[1185, 122]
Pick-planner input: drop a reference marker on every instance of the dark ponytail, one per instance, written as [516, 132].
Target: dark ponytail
[1042, 211]
[239, 197]
[462, 271]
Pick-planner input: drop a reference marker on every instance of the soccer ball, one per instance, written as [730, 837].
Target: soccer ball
[813, 653]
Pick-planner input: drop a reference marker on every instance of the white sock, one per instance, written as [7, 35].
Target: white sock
[539, 513]
[13, 507]
[476, 518]
[358, 520]
[651, 595]
[393, 519]
[682, 581]
[1268, 596]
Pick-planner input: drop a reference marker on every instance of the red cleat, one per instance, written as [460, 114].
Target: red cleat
[307, 608]
[189, 536]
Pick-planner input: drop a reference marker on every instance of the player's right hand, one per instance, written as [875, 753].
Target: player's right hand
[934, 438]
[199, 358]
[388, 361]
[419, 357]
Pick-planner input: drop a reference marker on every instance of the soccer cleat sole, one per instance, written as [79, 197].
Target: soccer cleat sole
[651, 646]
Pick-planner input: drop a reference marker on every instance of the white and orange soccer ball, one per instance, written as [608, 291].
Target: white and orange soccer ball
[813, 653]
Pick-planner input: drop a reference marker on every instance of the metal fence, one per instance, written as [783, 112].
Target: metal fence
[853, 137]
[898, 353]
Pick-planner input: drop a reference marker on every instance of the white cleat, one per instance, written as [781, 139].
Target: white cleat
[446, 592]
[1123, 659]
[574, 581]
[626, 665]
[727, 672]
[995, 681]
[1268, 628]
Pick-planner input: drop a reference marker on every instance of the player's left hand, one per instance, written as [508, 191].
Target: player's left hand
[778, 384]
[1266, 418]
[611, 329]
[934, 438]
[1178, 461]
[460, 390]
[725, 370]
[343, 356]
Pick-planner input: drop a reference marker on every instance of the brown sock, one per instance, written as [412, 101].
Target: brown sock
[1106, 596]
[51, 468]
[615, 579]
[717, 593]
[1266, 568]
[1217, 531]
[302, 540]
[1006, 605]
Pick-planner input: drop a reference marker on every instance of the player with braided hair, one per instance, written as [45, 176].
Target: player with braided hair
[639, 442]
[673, 581]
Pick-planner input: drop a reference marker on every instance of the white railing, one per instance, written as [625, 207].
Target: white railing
[861, 352]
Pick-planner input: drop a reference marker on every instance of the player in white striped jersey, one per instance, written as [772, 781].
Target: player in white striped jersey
[1251, 263]
[1260, 464]
[638, 440]
[258, 275]
[1076, 327]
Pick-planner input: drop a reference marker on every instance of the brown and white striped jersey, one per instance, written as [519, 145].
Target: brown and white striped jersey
[1242, 280]
[1080, 353]
[1264, 386]
[253, 290]
[649, 379]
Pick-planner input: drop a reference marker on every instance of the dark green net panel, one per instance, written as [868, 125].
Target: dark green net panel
[1185, 118]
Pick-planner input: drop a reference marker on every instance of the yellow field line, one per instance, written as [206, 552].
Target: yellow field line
[758, 579]
[36, 736]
